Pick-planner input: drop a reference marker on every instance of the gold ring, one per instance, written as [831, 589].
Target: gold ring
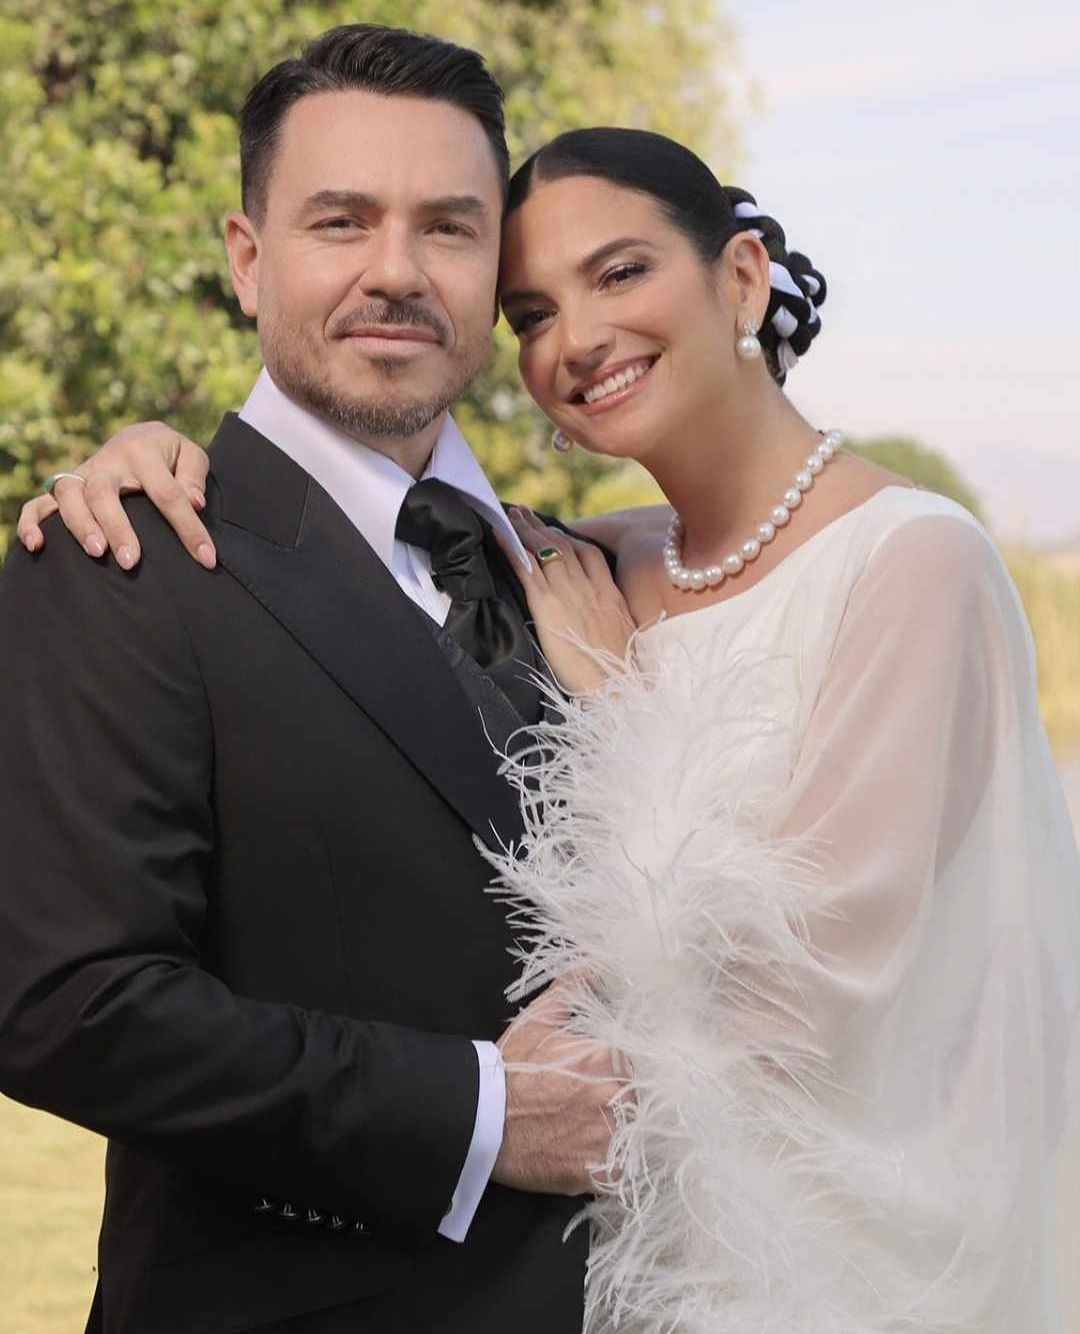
[547, 554]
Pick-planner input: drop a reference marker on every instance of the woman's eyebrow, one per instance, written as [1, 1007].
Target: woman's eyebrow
[590, 261]
[601, 253]
[512, 298]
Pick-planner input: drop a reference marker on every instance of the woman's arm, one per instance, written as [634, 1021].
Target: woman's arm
[847, 1002]
[947, 993]
[150, 457]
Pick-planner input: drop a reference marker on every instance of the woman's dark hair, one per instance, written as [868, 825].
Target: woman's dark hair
[372, 58]
[707, 213]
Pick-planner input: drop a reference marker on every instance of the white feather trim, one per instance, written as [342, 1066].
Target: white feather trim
[744, 1203]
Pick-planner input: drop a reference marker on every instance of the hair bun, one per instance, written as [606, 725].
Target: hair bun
[798, 290]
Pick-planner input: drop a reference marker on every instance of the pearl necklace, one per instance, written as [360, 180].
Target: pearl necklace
[712, 576]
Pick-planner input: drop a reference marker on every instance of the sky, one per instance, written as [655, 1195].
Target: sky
[926, 156]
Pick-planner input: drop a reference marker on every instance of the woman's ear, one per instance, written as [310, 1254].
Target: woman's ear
[745, 271]
[242, 244]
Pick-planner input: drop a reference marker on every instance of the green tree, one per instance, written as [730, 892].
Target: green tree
[922, 465]
[119, 164]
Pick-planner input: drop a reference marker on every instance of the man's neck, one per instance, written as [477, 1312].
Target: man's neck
[411, 453]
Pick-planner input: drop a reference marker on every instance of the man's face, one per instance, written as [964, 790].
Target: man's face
[373, 270]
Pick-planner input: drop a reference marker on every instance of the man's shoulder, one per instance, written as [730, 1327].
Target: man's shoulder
[62, 563]
[88, 621]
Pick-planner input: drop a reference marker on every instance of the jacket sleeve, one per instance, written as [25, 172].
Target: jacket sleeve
[107, 1016]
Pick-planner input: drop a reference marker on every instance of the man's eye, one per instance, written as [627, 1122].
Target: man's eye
[451, 229]
[336, 224]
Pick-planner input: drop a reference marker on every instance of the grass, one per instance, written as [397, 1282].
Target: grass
[51, 1189]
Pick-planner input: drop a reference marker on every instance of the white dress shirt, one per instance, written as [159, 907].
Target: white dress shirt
[369, 488]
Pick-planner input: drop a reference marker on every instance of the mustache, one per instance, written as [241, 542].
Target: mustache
[405, 313]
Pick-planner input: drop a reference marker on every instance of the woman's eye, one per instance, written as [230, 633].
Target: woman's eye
[621, 273]
[528, 320]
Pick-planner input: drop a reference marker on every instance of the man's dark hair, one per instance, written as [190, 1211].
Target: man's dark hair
[372, 58]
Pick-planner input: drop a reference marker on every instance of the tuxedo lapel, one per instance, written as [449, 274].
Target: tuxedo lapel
[282, 536]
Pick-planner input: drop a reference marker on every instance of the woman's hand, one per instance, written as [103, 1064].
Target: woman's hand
[582, 620]
[148, 456]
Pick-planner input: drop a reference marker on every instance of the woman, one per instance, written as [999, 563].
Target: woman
[803, 839]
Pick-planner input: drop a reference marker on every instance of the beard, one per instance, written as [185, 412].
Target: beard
[389, 408]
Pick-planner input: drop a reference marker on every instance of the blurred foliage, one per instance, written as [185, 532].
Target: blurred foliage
[1051, 597]
[119, 164]
[1050, 593]
[924, 466]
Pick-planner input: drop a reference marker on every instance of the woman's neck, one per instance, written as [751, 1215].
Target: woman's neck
[724, 477]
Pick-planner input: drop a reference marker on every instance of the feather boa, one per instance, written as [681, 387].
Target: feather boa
[742, 1202]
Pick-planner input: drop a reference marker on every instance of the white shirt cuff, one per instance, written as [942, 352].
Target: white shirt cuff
[484, 1146]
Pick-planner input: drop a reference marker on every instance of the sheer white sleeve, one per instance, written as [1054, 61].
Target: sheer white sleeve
[818, 873]
[950, 946]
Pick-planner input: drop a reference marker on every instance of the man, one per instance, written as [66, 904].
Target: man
[243, 923]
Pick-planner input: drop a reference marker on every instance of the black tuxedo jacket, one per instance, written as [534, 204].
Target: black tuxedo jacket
[243, 923]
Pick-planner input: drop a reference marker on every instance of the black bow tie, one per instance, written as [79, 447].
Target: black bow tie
[485, 617]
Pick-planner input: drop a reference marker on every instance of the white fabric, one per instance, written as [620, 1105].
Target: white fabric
[747, 210]
[484, 1146]
[369, 488]
[780, 278]
[786, 356]
[784, 322]
[813, 854]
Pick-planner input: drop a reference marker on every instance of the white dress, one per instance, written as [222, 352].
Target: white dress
[813, 850]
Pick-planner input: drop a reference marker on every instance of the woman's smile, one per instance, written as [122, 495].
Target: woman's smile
[612, 385]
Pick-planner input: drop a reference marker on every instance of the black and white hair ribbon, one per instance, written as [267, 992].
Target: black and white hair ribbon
[798, 291]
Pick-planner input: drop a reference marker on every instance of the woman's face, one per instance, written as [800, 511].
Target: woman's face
[626, 335]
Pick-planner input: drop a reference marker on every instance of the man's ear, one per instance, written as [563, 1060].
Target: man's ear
[242, 244]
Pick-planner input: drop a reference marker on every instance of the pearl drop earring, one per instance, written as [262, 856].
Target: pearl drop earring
[748, 346]
[561, 442]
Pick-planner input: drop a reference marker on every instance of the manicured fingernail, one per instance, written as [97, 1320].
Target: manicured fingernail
[197, 498]
[95, 544]
[207, 555]
[30, 541]
[125, 557]
[527, 564]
